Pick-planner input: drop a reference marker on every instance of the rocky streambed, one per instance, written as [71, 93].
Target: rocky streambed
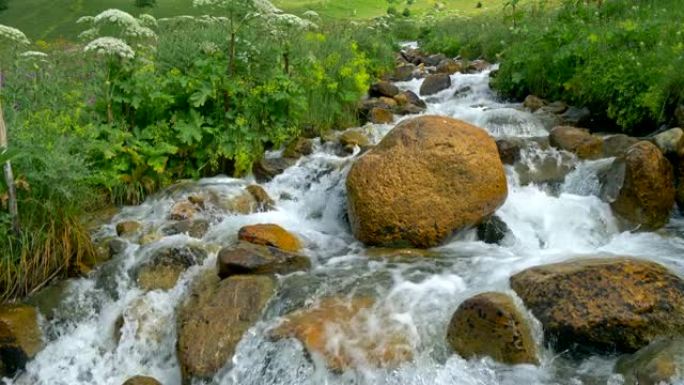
[506, 246]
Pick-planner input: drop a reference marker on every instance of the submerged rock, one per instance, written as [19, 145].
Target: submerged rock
[127, 228]
[603, 304]
[660, 363]
[166, 266]
[492, 230]
[213, 322]
[247, 258]
[578, 141]
[195, 228]
[509, 149]
[270, 235]
[489, 324]
[641, 187]
[268, 168]
[142, 380]
[263, 201]
[435, 83]
[428, 178]
[20, 337]
[330, 330]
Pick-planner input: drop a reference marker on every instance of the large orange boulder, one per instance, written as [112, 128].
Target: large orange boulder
[20, 337]
[428, 178]
[603, 304]
[643, 187]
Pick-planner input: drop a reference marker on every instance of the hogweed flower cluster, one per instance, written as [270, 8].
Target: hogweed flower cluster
[261, 6]
[126, 25]
[110, 46]
[13, 36]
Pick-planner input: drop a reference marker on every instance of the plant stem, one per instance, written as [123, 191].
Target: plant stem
[9, 177]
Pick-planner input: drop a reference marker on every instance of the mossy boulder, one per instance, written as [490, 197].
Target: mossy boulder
[660, 363]
[641, 187]
[578, 141]
[212, 323]
[435, 83]
[20, 337]
[603, 304]
[490, 324]
[428, 178]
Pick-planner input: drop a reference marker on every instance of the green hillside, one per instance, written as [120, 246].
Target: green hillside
[51, 19]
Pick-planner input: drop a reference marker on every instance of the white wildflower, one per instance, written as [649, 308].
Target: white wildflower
[140, 32]
[110, 46]
[147, 20]
[14, 35]
[116, 16]
[209, 47]
[89, 34]
[34, 54]
[85, 20]
[311, 15]
[263, 6]
[291, 21]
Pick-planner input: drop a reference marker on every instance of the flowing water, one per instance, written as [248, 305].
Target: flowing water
[415, 296]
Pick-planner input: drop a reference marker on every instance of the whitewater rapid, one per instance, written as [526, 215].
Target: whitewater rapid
[416, 296]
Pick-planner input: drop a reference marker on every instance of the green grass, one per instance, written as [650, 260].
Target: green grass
[55, 19]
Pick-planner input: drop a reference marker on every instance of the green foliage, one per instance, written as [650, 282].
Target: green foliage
[622, 59]
[4, 4]
[145, 3]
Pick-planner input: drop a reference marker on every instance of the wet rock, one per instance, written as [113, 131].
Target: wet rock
[547, 119]
[603, 304]
[353, 138]
[492, 230]
[142, 380]
[489, 324]
[544, 167]
[389, 102]
[117, 246]
[556, 107]
[661, 362]
[434, 60]
[242, 202]
[270, 235]
[328, 330]
[575, 116]
[617, 145]
[578, 141]
[166, 266]
[533, 103]
[212, 323]
[463, 91]
[183, 210]
[641, 187]
[409, 97]
[405, 255]
[509, 149]
[429, 177]
[477, 66]
[435, 83]
[48, 299]
[20, 337]
[263, 201]
[403, 73]
[127, 228]
[381, 116]
[195, 228]
[268, 168]
[298, 148]
[383, 88]
[449, 66]
[670, 142]
[247, 258]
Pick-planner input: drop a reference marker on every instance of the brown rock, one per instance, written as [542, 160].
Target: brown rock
[383, 88]
[428, 178]
[263, 200]
[270, 235]
[647, 192]
[509, 149]
[213, 322]
[578, 141]
[335, 317]
[603, 304]
[659, 363]
[142, 380]
[617, 145]
[196, 228]
[166, 266]
[183, 210]
[268, 168]
[20, 337]
[404, 72]
[248, 258]
[533, 103]
[670, 142]
[409, 97]
[556, 107]
[490, 324]
[352, 138]
[477, 66]
[389, 102]
[435, 83]
[298, 148]
[127, 228]
[449, 66]
[381, 116]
